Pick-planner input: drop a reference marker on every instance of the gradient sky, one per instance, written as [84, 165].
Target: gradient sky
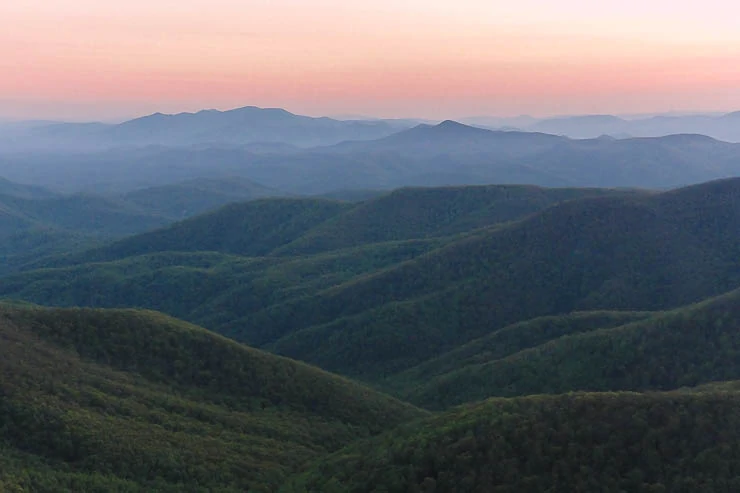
[108, 59]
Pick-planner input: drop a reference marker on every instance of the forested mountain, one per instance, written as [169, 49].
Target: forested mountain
[723, 127]
[240, 126]
[80, 213]
[412, 213]
[680, 442]
[35, 224]
[624, 252]
[286, 226]
[10, 189]
[685, 347]
[377, 309]
[450, 137]
[196, 196]
[510, 340]
[427, 155]
[96, 400]
[251, 228]
[439, 296]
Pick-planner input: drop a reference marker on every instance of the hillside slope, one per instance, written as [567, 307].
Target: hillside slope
[581, 443]
[681, 348]
[614, 253]
[510, 340]
[413, 213]
[136, 401]
[250, 228]
[193, 197]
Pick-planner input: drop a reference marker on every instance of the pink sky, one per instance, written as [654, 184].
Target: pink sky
[105, 59]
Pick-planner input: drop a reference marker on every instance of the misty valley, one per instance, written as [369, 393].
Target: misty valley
[254, 300]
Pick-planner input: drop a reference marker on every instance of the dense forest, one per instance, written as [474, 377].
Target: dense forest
[128, 400]
[461, 339]
[678, 442]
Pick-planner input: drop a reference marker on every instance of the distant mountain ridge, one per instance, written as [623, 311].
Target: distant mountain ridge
[237, 127]
[725, 127]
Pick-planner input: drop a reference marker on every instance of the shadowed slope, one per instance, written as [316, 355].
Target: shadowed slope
[149, 402]
[581, 443]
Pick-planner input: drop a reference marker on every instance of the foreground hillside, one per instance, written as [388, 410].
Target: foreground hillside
[684, 347]
[613, 442]
[94, 400]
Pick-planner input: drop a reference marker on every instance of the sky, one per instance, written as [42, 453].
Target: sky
[114, 59]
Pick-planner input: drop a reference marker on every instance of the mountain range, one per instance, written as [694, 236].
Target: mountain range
[722, 127]
[237, 127]
[377, 306]
[343, 286]
[446, 154]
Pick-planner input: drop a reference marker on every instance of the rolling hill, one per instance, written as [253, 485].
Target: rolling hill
[611, 442]
[252, 228]
[346, 241]
[379, 309]
[10, 189]
[625, 253]
[682, 348]
[196, 196]
[127, 400]
[413, 213]
[510, 340]
[36, 226]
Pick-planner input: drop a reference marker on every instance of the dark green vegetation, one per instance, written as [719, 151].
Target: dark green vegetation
[94, 400]
[469, 262]
[193, 197]
[505, 342]
[222, 292]
[35, 224]
[683, 347]
[678, 442]
[252, 229]
[438, 296]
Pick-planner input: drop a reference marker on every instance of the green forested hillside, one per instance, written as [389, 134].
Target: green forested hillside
[612, 442]
[83, 214]
[208, 288]
[251, 228]
[684, 347]
[411, 213]
[300, 226]
[625, 253]
[192, 197]
[511, 340]
[382, 308]
[35, 225]
[94, 400]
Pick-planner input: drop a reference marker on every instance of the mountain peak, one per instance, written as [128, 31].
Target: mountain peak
[453, 125]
